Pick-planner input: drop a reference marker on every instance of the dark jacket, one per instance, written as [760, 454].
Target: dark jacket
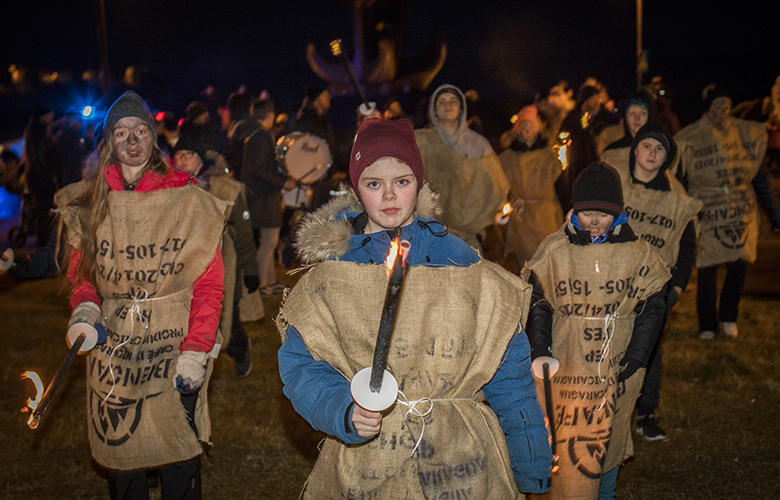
[235, 148]
[264, 180]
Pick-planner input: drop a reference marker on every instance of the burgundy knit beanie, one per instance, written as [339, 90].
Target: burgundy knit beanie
[377, 139]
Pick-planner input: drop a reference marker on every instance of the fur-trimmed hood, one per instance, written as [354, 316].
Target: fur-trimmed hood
[325, 233]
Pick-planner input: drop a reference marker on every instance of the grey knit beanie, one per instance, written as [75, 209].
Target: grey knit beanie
[129, 104]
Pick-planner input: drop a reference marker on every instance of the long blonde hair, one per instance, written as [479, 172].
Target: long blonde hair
[94, 206]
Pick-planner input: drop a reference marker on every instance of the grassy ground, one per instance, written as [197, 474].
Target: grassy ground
[720, 407]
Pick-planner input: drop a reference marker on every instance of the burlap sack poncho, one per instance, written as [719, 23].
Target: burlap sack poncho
[593, 291]
[152, 246]
[532, 176]
[658, 213]
[464, 171]
[229, 190]
[720, 166]
[452, 327]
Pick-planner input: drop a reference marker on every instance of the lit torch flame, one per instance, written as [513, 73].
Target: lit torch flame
[395, 247]
[335, 47]
[507, 209]
[585, 120]
[502, 217]
[565, 141]
[391, 256]
[32, 404]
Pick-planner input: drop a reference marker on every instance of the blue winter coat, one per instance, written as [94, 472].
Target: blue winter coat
[322, 395]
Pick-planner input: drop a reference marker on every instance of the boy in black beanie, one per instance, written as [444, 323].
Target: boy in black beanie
[662, 213]
[596, 311]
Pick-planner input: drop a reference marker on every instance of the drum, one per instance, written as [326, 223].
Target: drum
[304, 157]
[298, 197]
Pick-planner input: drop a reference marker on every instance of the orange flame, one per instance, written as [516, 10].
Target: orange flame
[32, 404]
[507, 208]
[394, 248]
[335, 47]
[585, 120]
[562, 157]
[564, 140]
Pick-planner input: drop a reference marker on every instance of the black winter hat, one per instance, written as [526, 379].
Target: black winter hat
[191, 141]
[598, 188]
[129, 104]
[648, 132]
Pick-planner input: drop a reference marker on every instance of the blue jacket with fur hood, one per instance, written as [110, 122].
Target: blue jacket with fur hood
[322, 395]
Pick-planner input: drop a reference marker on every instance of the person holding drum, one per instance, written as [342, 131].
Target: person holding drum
[265, 181]
[312, 119]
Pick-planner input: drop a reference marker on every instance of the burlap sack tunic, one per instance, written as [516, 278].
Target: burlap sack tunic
[471, 190]
[660, 217]
[617, 158]
[228, 190]
[532, 176]
[451, 322]
[593, 291]
[151, 248]
[720, 165]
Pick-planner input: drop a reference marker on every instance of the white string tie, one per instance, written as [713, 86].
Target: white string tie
[135, 310]
[413, 410]
[609, 333]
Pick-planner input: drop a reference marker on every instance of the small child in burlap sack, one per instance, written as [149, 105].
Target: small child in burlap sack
[597, 308]
[456, 344]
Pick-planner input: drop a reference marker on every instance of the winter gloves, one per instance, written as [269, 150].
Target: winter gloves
[85, 319]
[541, 356]
[252, 283]
[631, 366]
[190, 371]
[86, 312]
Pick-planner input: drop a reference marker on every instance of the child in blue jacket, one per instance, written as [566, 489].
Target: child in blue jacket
[457, 344]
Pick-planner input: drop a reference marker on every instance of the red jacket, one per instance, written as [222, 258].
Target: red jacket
[207, 291]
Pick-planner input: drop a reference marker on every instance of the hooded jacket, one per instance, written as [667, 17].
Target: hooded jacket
[644, 96]
[322, 395]
[465, 141]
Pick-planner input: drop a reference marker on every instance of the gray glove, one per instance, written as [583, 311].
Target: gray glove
[190, 371]
[86, 312]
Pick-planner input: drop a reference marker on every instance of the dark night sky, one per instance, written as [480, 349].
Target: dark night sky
[508, 50]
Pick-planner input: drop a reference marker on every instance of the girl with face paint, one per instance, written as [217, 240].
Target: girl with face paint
[144, 240]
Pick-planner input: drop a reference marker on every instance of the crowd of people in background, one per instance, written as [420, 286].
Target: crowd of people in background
[578, 178]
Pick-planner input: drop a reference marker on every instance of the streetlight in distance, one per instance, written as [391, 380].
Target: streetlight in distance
[102, 45]
[641, 57]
